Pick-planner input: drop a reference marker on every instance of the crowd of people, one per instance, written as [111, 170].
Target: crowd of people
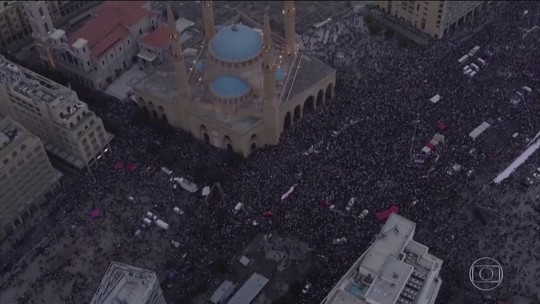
[385, 90]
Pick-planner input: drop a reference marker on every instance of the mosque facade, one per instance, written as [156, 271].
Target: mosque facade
[241, 87]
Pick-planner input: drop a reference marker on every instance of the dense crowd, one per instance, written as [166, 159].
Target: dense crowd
[386, 90]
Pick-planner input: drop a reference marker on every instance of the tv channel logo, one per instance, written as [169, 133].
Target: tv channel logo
[486, 274]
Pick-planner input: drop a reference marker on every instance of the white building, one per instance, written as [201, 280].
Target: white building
[394, 270]
[100, 50]
[128, 285]
[54, 113]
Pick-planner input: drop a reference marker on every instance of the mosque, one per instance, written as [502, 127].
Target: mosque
[241, 88]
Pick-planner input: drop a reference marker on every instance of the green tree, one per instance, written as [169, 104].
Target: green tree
[374, 29]
[389, 33]
[368, 19]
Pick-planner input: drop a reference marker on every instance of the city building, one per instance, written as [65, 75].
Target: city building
[395, 269]
[15, 27]
[101, 49]
[435, 18]
[68, 129]
[128, 285]
[241, 87]
[155, 46]
[26, 174]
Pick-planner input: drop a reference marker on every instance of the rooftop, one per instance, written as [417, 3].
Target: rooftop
[159, 38]
[109, 24]
[308, 72]
[251, 288]
[228, 86]
[394, 270]
[125, 284]
[30, 84]
[235, 43]
[9, 131]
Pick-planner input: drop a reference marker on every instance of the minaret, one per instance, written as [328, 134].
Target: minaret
[208, 20]
[42, 26]
[271, 102]
[289, 13]
[182, 84]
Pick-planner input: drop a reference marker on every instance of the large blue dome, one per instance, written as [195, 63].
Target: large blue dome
[228, 86]
[235, 43]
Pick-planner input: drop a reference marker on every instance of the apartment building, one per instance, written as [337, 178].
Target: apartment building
[15, 27]
[26, 174]
[435, 18]
[395, 269]
[155, 46]
[102, 48]
[128, 284]
[68, 129]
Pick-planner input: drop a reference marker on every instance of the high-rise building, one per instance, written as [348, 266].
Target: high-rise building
[395, 269]
[435, 18]
[26, 174]
[130, 285]
[101, 49]
[15, 27]
[54, 113]
[240, 87]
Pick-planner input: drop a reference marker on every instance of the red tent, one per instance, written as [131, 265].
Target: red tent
[96, 213]
[267, 213]
[386, 213]
[131, 166]
[118, 165]
[441, 126]
[325, 203]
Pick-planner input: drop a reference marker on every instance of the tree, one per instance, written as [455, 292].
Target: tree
[295, 288]
[389, 33]
[220, 266]
[141, 117]
[368, 19]
[167, 156]
[374, 29]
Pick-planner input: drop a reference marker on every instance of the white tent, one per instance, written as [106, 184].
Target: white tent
[479, 130]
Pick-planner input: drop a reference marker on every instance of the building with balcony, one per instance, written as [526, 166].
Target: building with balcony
[15, 28]
[101, 49]
[68, 129]
[26, 174]
[435, 18]
[155, 46]
[128, 285]
[395, 269]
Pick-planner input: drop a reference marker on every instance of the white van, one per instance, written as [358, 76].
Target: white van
[471, 74]
[475, 67]
[147, 221]
[238, 207]
[481, 61]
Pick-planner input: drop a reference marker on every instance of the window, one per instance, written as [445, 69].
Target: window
[111, 55]
[5, 161]
[31, 15]
[14, 153]
[120, 48]
[41, 12]
[129, 41]
[46, 25]
[103, 62]
[88, 63]
[140, 31]
[23, 147]
[417, 7]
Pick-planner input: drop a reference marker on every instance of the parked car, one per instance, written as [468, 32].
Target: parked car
[364, 213]
[306, 288]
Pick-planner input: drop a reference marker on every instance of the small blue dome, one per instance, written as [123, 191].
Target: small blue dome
[279, 75]
[236, 43]
[200, 65]
[228, 86]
